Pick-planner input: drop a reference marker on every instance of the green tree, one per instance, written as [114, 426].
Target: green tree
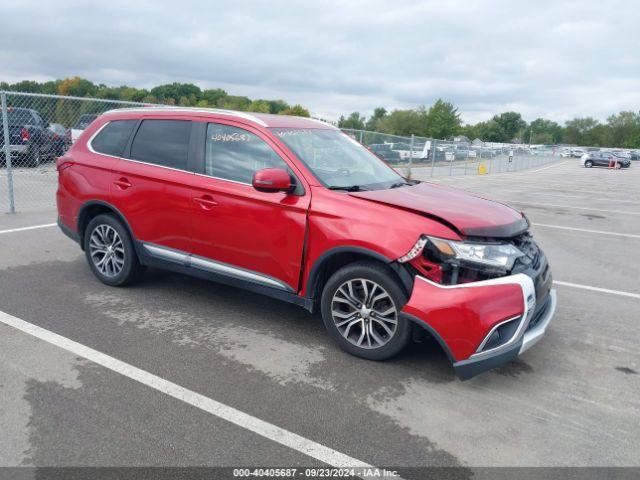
[378, 115]
[578, 129]
[401, 122]
[633, 141]
[510, 124]
[178, 92]
[297, 110]
[77, 87]
[623, 127]
[233, 102]
[354, 120]
[492, 131]
[543, 131]
[260, 106]
[213, 95]
[442, 120]
[276, 106]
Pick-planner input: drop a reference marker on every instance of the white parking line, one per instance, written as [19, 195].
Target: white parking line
[540, 191]
[544, 168]
[272, 432]
[534, 204]
[598, 289]
[22, 229]
[601, 232]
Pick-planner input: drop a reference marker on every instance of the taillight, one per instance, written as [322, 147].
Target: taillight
[25, 135]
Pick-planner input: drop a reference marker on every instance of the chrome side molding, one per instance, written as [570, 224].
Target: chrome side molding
[206, 264]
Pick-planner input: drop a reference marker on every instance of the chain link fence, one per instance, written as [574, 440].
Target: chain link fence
[37, 128]
[420, 157]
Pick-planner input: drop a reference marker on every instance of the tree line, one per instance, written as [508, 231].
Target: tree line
[183, 94]
[442, 120]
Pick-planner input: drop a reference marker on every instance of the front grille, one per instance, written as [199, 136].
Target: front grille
[526, 245]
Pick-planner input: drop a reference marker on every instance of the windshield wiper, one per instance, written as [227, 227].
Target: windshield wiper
[400, 184]
[348, 188]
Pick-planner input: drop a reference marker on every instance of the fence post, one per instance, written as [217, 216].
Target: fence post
[450, 163]
[7, 152]
[410, 156]
[433, 154]
[361, 134]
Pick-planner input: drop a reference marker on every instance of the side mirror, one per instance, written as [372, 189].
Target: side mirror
[272, 180]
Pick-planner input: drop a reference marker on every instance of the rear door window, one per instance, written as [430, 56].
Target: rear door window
[113, 138]
[163, 142]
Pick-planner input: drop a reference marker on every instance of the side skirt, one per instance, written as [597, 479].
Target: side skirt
[181, 263]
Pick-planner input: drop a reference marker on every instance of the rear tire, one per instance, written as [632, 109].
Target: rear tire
[360, 307]
[588, 164]
[110, 252]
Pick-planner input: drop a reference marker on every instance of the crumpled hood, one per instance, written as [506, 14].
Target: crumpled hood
[470, 214]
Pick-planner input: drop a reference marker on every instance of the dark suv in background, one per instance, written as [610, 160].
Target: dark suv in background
[30, 140]
[604, 159]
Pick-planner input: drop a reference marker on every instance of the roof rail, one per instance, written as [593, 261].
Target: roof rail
[219, 111]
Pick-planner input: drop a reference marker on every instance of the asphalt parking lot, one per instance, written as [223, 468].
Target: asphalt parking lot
[573, 400]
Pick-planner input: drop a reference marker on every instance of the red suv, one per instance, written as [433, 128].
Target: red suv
[293, 208]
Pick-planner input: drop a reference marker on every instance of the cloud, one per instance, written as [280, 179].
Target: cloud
[552, 59]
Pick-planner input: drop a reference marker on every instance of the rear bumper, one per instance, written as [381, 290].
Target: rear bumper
[68, 231]
[15, 150]
[463, 318]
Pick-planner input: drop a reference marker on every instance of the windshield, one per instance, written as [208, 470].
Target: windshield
[338, 160]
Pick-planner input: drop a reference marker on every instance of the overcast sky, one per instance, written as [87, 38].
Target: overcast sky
[555, 59]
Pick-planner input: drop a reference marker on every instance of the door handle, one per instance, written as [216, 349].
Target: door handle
[206, 202]
[122, 183]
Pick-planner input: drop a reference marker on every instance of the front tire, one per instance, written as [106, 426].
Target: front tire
[360, 307]
[110, 252]
[588, 164]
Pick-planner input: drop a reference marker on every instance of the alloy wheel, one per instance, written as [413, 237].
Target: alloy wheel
[107, 250]
[364, 313]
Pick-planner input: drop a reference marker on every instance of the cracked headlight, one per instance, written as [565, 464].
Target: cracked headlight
[498, 255]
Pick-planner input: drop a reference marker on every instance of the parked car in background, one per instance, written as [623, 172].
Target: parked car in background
[60, 139]
[83, 122]
[634, 155]
[464, 152]
[603, 159]
[577, 152]
[383, 151]
[404, 150]
[292, 208]
[29, 138]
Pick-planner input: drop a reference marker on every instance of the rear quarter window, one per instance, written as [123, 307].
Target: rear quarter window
[112, 139]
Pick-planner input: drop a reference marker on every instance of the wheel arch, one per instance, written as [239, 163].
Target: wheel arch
[93, 208]
[334, 259]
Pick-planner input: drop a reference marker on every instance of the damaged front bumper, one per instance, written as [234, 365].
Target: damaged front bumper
[481, 325]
